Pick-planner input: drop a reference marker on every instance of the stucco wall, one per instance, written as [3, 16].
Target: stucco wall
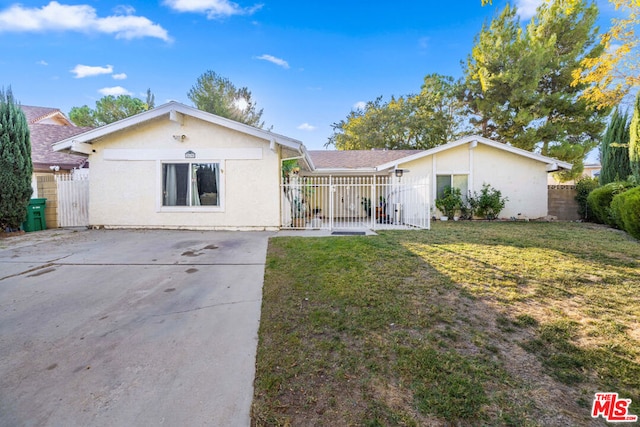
[127, 193]
[522, 180]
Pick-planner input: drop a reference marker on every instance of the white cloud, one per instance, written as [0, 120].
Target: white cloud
[115, 91]
[81, 18]
[120, 76]
[307, 126]
[82, 71]
[360, 105]
[270, 58]
[42, 62]
[213, 8]
[123, 9]
[527, 8]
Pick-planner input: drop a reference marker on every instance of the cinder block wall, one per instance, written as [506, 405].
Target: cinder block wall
[562, 202]
[47, 189]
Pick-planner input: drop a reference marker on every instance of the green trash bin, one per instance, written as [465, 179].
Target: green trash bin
[35, 216]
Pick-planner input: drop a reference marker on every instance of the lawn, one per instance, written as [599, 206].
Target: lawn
[470, 323]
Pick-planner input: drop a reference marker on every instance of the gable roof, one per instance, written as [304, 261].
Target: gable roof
[42, 154]
[552, 164]
[38, 114]
[172, 110]
[383, 160]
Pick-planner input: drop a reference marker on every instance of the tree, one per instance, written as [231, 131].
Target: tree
[634, 141]
[426, 120]
[110, 109]
[15, 163]
[614, 150]
[218, 95]
[611, 75]
[151, 99]
[519, 82]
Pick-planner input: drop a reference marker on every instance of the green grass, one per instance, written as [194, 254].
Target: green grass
[468, 323]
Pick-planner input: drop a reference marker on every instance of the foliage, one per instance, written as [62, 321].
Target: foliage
[610, 76]
[634, 140]
[151, 100]
[599, 201]
[518, 82]
[584, 187]
[614, 150]
[218, 95]
[15, 163]
[450, 202]
[421, 121]
[488, 204]
[109, 109]
[625, 210]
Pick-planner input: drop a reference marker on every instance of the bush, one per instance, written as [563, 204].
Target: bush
[488, 204]
[599, 201]
[584, 187]
[450, 202]
[625, 209]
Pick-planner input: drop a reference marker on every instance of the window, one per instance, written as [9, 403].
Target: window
[453, 181]
[190, 184]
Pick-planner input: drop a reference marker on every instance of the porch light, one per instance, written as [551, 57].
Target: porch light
[399, 173]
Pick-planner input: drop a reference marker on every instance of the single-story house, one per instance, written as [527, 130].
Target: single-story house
[178, 167]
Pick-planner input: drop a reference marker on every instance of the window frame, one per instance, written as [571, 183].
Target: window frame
[464, 194]
[160, 207]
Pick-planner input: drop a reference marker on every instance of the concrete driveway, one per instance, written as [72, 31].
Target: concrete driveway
[129, 328]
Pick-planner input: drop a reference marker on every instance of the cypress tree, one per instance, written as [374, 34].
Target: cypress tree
[614, 150]
[15, 163]
[634, 141]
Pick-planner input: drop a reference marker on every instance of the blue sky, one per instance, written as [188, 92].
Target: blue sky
[307, 64]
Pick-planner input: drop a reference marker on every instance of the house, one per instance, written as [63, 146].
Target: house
[47, 126]
[178, 167]
[591, 170]
[467, 163]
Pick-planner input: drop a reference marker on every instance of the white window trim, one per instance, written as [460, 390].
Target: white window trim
[192, 209]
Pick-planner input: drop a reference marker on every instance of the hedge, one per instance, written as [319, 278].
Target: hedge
[599, 201]
[625, 210]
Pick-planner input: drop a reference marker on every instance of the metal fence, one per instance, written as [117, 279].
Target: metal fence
[373, 202]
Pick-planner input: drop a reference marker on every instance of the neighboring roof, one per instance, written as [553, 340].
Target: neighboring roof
[42, 138]
[170, 110]
[38, 114]
[356, 159]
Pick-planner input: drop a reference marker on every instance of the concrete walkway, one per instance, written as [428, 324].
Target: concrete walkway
[129, 328]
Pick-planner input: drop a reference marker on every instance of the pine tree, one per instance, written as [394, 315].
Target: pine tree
[15, 163]
[614, 150]
[634, 141]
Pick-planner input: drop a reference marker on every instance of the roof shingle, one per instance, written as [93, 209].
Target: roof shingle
[356, 159]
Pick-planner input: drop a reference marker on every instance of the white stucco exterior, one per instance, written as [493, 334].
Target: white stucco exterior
[126, 187]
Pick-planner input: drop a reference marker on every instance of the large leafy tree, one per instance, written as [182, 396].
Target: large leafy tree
[614, 150]
[520, 84]
[15, 163]
[218, 95]
[110, 109]
[634, 140]
[426, 120]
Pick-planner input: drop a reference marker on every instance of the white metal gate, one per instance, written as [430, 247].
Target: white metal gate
[373, 202]
[73, 200]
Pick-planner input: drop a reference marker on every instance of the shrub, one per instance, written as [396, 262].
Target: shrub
[599, 201]
[15, 163]
[488, 204]
[450, 202]
[584, 187]
[625, 209]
